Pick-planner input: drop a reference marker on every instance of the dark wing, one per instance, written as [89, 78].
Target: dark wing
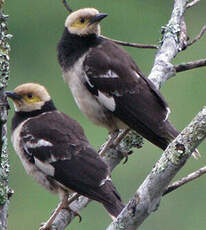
[129, 95]
[53, 135]
[57, 146]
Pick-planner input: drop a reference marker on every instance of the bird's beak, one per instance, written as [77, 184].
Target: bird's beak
[97, 18]
[13, 95]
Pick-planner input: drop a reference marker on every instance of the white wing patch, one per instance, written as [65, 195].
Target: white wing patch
[88, 81]
[108, 102]
[108, 178]
[109, 74]
[168, 113]
[45, 167]
[39, 143]
[137, 75]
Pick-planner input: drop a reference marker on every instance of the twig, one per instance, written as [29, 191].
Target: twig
[192, 3]
[135, 45]
[190, 65]
[66, 5]
[203, 30]
[190, 177]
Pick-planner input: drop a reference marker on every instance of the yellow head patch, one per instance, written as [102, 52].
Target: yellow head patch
[30, 98]
[80, 22]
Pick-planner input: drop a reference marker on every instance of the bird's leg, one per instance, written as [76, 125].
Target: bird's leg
[120, 137]
[109, 142]
[64, 204]
[74, 197]
[49, 222]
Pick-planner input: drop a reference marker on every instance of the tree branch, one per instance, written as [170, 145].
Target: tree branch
[190, 177]
[4, 164]
[148, 196]
[192, 3]
[135, 45]
[163, 69]
[203, 30]
[66, 5]
[190, 65]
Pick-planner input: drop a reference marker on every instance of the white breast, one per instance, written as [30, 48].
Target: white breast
[87, 103]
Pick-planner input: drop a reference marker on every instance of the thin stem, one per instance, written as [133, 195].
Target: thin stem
[190, 177]
[66, 5]
[190, 65]
[203, 30]
[135, 45]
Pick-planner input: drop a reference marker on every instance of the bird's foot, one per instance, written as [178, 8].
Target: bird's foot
[126, 156]
[74, 213]
[196, 154]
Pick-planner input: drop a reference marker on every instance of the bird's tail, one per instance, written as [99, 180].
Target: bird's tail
[113, 202]
[172, 133]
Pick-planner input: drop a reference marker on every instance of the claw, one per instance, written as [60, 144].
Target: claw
[75, 213]
[126, 155]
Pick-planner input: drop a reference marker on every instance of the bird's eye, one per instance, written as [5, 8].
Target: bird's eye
[82, 20]
[30, 95]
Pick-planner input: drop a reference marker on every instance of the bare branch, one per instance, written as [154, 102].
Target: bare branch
[190, 65]
[148, 196]
[4, 162]
[190, 177]
[192, 3]
[66, 5]
[203, 30]
[135, 45]
[163, 69]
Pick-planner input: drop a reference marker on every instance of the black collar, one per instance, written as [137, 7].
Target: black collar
[21, 116]
[71, 47]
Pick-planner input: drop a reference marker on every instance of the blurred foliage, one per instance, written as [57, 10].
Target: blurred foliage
[37, 27]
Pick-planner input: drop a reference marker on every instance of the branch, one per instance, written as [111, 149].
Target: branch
[135, 45]
[202, 31]
[192, 176]
[148, 196]
[4, 164]
[192, 3]
[171, 44]
[190, 65]
[66, 5]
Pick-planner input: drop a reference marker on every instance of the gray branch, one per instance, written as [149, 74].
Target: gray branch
[190, 65]
[190, 177]
[4, 164]
[171, 45]
[147, 197]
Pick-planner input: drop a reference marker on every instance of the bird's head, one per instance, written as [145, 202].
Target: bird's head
[84, 22]
[29, 97]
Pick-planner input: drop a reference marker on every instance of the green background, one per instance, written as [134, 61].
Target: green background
[37, 27]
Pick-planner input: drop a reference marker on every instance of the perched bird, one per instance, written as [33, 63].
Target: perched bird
[106, 83]
[54, 150]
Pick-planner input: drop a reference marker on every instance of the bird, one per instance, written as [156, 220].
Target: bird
[55, 151]
[107, 85]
